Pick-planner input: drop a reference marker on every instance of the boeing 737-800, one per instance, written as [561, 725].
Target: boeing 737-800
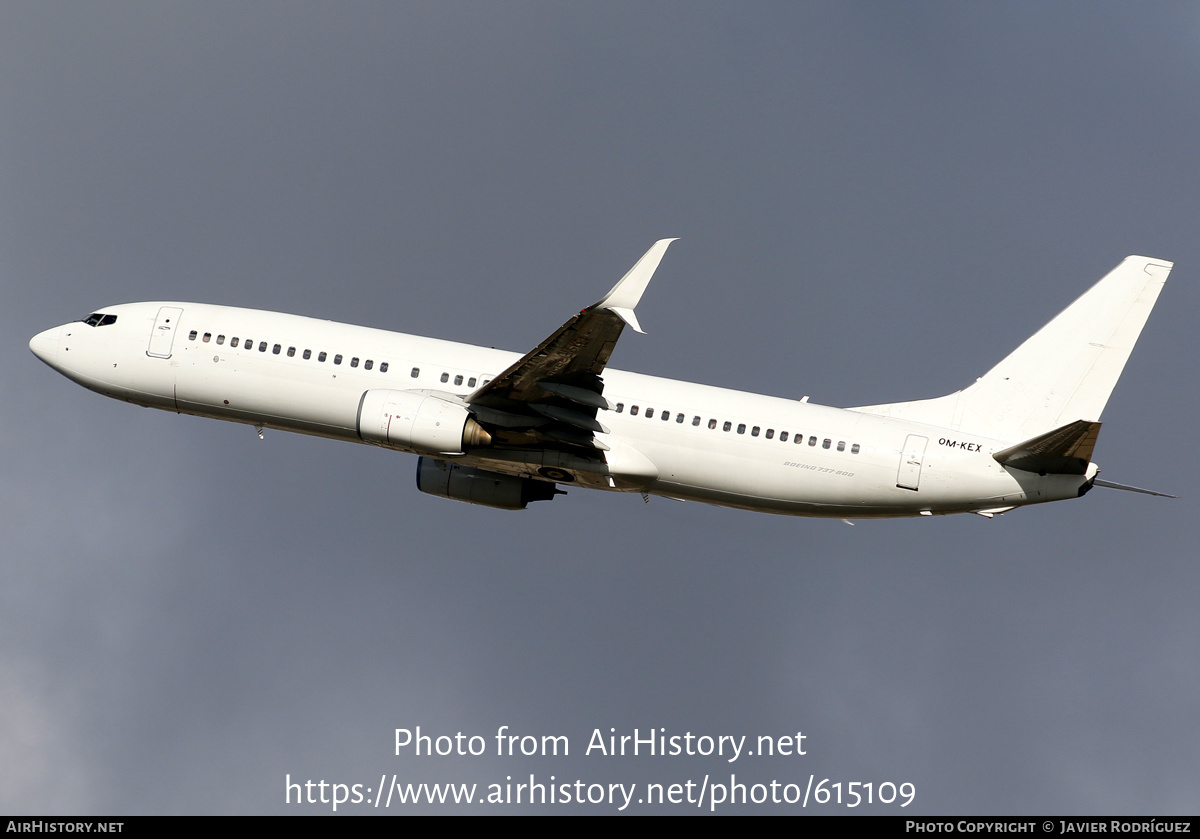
[502, 429]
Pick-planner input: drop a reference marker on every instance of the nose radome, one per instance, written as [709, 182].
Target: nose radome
[45, 344]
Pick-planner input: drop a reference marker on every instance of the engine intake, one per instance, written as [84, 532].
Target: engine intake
[415, 421]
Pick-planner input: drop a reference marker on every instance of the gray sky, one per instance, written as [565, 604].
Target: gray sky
[876, 202]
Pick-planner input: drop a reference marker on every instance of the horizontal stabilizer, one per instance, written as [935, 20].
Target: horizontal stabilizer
[1063, 451]
[1127, 488]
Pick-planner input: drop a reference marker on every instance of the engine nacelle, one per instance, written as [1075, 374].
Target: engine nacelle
[406, 419]
[479, 486]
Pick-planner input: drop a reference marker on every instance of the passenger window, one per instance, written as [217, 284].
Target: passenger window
[383, 365]
[633, 411]
[233, 342]
[307, 355]
[812, 441]
[679, 418]
[620, 407]
[854, 449]
[754, 431]
[799, 439]
[695, 420]
[220, 340]
[368, 364]
[665, 415]
[275, 349]
[291, 352]
[416, 371]
[354, 361]
[727, 426]
[262, 346]
[445, 377]
[649, 413]
[770, 435]
[458, 380]
[841, 445]
[322, 356]
[825, 444]
[337, 359]
[471, 382]
[191, 335]
[207, 337]
[712, 424]
[741, 428]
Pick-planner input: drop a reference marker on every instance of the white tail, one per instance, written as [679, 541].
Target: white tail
[1064, 373]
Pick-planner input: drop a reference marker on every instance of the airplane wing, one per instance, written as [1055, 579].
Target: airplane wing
[551, 396]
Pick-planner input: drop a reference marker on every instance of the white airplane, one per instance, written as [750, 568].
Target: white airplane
[500, 429]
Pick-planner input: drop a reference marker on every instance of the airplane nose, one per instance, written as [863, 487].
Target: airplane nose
[45, 345]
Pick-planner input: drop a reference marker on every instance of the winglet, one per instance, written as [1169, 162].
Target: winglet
[624, 296]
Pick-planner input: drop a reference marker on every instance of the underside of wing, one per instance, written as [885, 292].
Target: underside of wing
[550, 400]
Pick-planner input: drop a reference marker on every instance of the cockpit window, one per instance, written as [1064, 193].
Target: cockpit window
[99, 319]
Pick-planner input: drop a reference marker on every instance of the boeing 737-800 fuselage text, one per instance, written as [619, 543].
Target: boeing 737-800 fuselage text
[502, 429]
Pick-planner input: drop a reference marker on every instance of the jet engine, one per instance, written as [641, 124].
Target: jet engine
[479, 486]
[416, 421]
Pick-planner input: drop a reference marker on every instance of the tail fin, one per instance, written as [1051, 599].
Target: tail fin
[1064, 373]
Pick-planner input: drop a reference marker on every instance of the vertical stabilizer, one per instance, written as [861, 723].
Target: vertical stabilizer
[1064, 373]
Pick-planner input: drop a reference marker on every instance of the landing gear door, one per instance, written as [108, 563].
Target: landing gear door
[909, 474]
[163, 333]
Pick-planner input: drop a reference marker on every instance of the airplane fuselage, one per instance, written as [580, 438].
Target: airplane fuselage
[662, 436]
